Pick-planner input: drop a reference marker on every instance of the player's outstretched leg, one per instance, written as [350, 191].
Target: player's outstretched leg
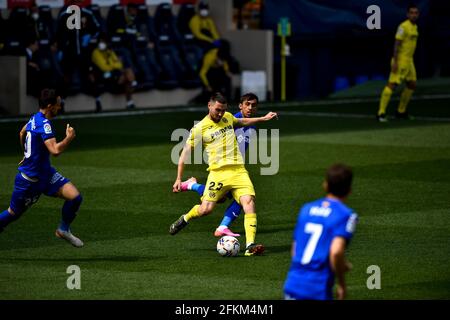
[69, 211]
[6, 217]
[232, 212]
[182, 221]
[250, 224]
[192, 185]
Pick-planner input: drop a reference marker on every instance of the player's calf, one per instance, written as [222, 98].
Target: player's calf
[8, 216]
[69, 212]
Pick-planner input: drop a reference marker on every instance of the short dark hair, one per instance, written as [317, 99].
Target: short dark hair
[203, 5]
[218, 97]
[249, 96]
[339, 179]
[47, 97]
[412, 6]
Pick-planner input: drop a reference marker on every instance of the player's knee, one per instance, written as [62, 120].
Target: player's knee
[204, 210]
[15, 214]
[392, 86]
[248, 203]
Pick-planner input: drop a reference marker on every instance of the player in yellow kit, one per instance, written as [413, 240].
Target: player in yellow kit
[402, 66]
[226, 168]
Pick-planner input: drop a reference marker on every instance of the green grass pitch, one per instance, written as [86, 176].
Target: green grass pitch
[122, 166]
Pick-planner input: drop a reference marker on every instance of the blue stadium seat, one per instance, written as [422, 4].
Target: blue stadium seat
[97, 14]
[16, 36]
[360, 79]
[341, 83]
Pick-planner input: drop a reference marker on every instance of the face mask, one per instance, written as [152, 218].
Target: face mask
[204, 12]
[35, 16]
[102, 46]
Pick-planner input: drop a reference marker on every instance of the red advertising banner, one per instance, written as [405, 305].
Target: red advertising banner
[184, 1]
[80, 3]
[20, 3]
[125, 2]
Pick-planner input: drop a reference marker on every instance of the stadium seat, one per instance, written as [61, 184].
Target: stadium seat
[180, 59]
[17, 33]
[341, 83]
[97, 14]
[192, 53]
[115, 20]
[361, 79]
[48, 22]
[187, 11]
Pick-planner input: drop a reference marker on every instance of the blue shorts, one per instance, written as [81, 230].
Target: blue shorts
[26, 192]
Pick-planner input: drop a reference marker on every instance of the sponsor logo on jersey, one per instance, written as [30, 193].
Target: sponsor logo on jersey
[47, 128]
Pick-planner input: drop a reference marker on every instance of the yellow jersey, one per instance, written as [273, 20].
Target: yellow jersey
[219, 141]
[407, 33]
[211, 60]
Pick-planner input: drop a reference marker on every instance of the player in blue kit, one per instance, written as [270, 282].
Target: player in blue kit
[36, 176]
[248, 105]
[323, 231]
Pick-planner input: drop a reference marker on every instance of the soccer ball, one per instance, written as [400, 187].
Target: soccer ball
[228, 246]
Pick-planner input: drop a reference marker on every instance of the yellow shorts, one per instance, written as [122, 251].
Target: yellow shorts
[224, 180]
[406, 71]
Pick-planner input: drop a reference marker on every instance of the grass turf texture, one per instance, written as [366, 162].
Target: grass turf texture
[123, 168]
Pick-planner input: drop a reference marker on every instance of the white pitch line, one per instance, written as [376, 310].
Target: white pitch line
[264, 106]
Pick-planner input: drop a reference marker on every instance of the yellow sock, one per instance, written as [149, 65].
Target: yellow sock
[250, 227]
[384, 100]
[192, 214]
[404, 99]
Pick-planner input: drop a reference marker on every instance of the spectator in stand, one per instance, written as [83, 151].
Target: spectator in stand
[204, 29]
[36, 26]
[217, 68]
[109, 71]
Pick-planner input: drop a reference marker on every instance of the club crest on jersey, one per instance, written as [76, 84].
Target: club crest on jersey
[224, 120]
[47, 128]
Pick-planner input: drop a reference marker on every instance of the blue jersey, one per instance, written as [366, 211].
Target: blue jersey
[243, 134]
[37, 156]
[319, 222]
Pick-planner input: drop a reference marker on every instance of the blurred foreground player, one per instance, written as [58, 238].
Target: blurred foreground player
[323, 231]
[36, 176]
[402, 66]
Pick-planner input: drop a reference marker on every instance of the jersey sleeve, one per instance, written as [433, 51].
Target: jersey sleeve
[401, 33]
[195, 136]
[47, 131]
[346, 226]
[235, 120]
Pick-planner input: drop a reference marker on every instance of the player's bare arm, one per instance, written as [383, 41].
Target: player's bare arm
[56, 148]
[397, 45]
[184, 154]
[22, 135]
[251, 121]
[339, 265]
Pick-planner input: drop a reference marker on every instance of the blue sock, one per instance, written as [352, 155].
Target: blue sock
[69, 212]
[5, 219]
[232, 212]
[199, 188]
